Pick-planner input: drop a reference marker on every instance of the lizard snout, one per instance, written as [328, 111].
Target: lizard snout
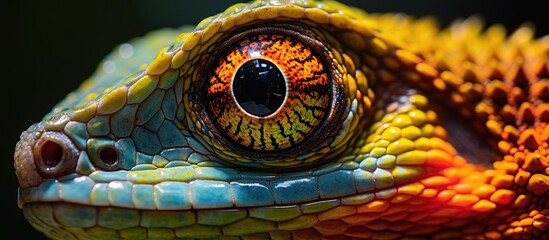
[41, 155]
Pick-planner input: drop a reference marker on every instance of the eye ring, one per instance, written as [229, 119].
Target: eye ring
[321, 133]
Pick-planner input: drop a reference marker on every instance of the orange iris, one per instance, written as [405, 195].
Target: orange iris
[268, 92]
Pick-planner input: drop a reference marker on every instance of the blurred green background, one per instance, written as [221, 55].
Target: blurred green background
[53, 45]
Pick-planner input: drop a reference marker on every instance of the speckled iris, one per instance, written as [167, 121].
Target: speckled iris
[294, 108]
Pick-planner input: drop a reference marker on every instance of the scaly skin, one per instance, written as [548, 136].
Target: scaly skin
[432, 134]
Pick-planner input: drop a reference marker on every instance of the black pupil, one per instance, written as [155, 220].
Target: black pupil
[259, 87]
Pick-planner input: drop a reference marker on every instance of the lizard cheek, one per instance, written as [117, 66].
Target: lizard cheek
[54, 154]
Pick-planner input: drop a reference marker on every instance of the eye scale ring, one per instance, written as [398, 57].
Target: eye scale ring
[302, 92]
[259, 88]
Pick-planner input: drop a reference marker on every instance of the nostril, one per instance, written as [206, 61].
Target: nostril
[52, 153]
[104, 154]
[108, 156]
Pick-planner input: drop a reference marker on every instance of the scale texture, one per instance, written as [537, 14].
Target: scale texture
[390, 128]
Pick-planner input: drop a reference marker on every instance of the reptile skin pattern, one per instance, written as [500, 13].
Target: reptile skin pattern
[301, 120]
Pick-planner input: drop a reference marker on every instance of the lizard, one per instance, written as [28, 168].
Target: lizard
[299, 120]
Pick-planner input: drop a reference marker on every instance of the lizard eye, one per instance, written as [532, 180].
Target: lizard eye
[269, 91]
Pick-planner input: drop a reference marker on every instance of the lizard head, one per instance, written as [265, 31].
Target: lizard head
[299, 121]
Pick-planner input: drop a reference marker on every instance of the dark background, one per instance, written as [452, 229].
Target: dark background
[53, 45]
